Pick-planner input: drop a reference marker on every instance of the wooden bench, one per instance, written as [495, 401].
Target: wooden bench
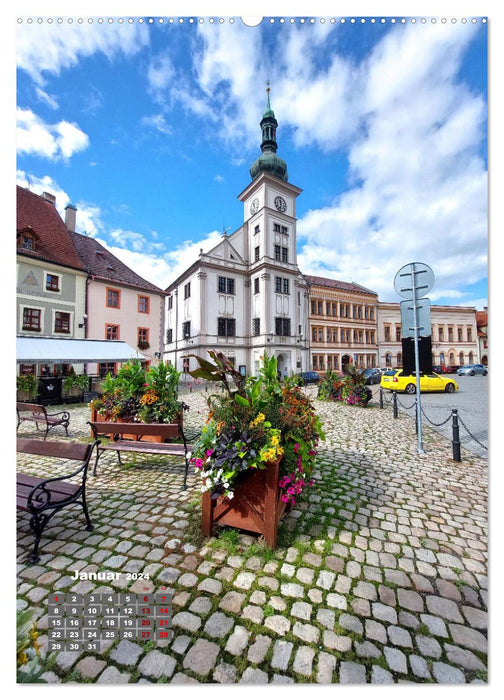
[37, 414]
[137, 431]
[45, 497]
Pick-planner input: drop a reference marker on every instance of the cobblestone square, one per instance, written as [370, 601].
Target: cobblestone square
[380, 575]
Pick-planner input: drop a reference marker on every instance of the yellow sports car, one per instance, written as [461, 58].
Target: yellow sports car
[398, 380]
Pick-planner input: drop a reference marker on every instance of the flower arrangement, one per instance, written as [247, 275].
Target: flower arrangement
[349, 387]
[256, 422]
[136, 395]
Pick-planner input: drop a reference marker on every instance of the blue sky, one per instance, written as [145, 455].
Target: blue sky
[150, 130]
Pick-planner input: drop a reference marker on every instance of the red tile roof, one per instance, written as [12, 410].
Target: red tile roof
[101, 264]
[482, 318]
[337, 284]
[53, 243]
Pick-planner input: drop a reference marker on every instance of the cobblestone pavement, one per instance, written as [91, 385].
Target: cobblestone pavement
[380, 575]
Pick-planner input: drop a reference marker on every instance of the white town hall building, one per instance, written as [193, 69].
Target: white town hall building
[247, 296]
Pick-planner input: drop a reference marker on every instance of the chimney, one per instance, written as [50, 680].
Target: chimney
[49, 197]
[70, 217]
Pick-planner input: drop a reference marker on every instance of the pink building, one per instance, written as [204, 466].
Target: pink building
[120, 305]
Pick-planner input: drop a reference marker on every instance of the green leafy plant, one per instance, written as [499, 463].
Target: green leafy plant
[255, 423]
[77, 381]
[27, 383]
[29, 665]
[349, 387]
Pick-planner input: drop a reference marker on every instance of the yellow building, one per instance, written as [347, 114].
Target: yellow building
[343, 324]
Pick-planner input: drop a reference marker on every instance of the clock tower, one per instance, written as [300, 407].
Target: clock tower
[277, 308]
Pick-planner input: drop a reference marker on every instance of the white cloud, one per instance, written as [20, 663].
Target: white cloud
[53, 141]
[51, 48]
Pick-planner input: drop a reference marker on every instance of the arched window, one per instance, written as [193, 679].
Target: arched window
[399, 359]
[441, 359]
[388, 360]
[461, 358]
[452, 358]
[471, 358]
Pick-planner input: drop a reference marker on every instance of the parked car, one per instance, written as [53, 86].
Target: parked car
[398, 380]
[372, 375]
[309, 377]
[472, 370]
[437, 369]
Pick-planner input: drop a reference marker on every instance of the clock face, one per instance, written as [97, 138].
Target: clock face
[254, 206]
[280, 203]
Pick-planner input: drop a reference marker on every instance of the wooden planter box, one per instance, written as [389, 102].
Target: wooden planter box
[256, 505]
[96, 417]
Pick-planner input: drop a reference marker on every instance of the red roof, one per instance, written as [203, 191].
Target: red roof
[337, 284]
[54, 243]
[100, 263]
[481, 318]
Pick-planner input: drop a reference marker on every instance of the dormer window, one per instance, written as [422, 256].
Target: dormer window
[27, 239]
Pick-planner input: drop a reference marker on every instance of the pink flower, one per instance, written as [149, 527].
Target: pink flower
[209, 452]
[296, 447]
[285, 498]
[198, 463]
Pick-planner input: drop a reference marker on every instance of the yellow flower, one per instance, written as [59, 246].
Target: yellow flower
[275, 440]
[260, 418]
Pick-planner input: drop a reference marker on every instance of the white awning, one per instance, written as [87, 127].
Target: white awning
[30, 350]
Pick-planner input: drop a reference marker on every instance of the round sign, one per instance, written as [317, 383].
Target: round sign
[414, 279]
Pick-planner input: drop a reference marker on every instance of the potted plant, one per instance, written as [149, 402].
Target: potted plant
[257, 449]
[75, 385]
[136, 395]
[346, 387]
[27, 387]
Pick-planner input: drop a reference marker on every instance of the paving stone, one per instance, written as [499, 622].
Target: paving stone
[343, 584]
[258, 650]
[387, 595]
[435, 625]
[112, 676]
[399, 636]
[398, 578]
[232, 602]
[90, 667]
[334, 564]
[325, 580]
[334, 600]
[288, 570]
[375, 630]
[188, 580]
[224, 673]
[255, 676]
[367, 650]
[305, 575]
[218, 625]
[201, 657]
[475, 617]
[278, 624]
[407, 619]
[313, 559]
[292, 590]
[421, 584]
[467, 637]
[331, 640]
[186, 621]
[180, 644]
[168, 575]
[126, 653]
[446, 589]
[351, 623]
[361, 607]
[282, 651]
[326, 667]
[428, 646]
[444, 608]
[66, 659]
[444, 673]
[157, 664]
[308, 633]
[366, 590]
[419, 666]
[301, 610]
[464, 658]
[351, 672]
[244, 580]
[278, 603]
[201, 605]
[326, 618]
[254, 613]
[410, 600]
[237, 642]
[210, 585]
[396, 660]
[303, 661]
[384, 612]
[380, 675]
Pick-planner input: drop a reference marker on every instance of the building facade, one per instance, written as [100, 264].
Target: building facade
[453, 333]
[51, 280]
[120, 305]
[343, 325]
[247, 295]
[482, 325]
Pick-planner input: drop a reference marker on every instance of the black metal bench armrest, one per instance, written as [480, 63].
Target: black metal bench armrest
[65, 414]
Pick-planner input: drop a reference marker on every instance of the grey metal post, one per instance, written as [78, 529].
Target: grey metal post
[455, 436]
[381, 397]
[417, 361]
[394, 403]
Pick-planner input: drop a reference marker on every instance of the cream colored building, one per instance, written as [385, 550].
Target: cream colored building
[453, 332]
[343, 325]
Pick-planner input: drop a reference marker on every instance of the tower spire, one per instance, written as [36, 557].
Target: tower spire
[269, 161]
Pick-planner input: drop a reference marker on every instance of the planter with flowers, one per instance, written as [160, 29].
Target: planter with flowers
[257, 449]
[136, 395]
[348, 388]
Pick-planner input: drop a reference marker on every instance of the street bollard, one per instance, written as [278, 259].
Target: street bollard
[381, 398]
[455, 436]
[396, 412]
[416, 415]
